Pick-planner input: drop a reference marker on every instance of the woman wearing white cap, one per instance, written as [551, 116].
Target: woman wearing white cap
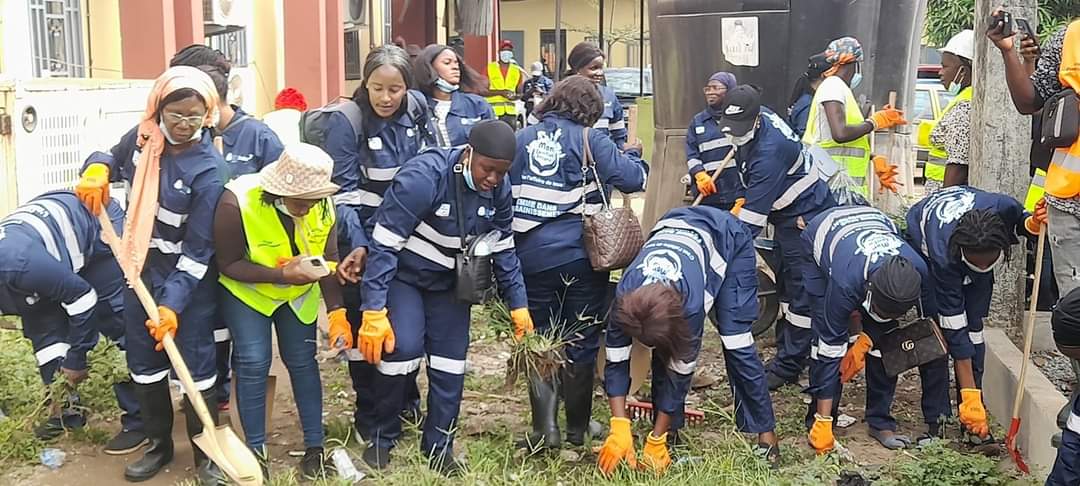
[949, 135]
[276, 238]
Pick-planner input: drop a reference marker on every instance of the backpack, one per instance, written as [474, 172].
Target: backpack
[313, 123]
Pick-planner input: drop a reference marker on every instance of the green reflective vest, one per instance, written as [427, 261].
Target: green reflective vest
[854, 156]
[1035, 190]
[268, 244]
[935, 165]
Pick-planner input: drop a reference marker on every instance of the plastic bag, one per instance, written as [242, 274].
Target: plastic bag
[845, 190]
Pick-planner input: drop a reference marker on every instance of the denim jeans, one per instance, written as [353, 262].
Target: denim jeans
[251, 364]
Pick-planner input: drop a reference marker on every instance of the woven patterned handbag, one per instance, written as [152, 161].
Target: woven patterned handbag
[613, 236]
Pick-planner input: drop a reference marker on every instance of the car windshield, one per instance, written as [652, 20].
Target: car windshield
[627, 81]
[924, 108]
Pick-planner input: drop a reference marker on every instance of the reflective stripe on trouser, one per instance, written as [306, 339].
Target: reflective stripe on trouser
[1066, 470]
[963, 333]
[47, 330]
[194, 338]
[431, 324]
[551, 299]
[794, 338]
[881, 389]
[1035, 190]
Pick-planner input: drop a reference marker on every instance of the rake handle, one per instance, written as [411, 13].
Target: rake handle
[147, 300]
[716, 173]
[1029, 326]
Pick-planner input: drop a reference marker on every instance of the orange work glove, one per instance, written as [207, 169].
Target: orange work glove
[655, 454]
[855, 359]
[705, 184]
[1037, 220]
[887, 117]
[376, 335]
[340, 331]
[972, 412]
[619, 445]
[93, 187]
[168, 325]
[886, 173]
[821, 435]
[737, 207]
[523, 323]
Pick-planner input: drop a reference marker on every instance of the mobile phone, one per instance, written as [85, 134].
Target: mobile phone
[1006, 19]
[1024, 27]
[316, 265]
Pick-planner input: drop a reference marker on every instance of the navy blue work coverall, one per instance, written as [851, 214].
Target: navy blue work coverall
[706, 148]
[611, 122]
[785, 189]
[708, 256]
[466, 110]
[179, 269]
[847, 245]
[62, 280]
[410, 272]
[962, 295]
[1066, 470]
[364, 165]
[247, 145]
[550, 193]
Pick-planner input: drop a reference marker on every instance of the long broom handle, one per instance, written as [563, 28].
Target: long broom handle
[109, 235]
[1029, 326]
[716, 173]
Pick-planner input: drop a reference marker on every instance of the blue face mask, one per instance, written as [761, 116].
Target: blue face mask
[445, 86]
[467, 172]
[954, 86]
[856, 80]
[506, 56]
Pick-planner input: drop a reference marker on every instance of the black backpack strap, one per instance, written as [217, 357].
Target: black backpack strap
[417, 109]
[459, 202]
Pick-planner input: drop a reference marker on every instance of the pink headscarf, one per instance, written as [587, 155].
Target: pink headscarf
[142, 203]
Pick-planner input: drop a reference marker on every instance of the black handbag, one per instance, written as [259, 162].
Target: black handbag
[1061, 119]
[473, 267]
[910, 346]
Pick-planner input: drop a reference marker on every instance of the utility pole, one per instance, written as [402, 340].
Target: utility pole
[1000, 140]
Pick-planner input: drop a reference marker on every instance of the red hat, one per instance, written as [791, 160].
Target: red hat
[290, 98]
[506, 44]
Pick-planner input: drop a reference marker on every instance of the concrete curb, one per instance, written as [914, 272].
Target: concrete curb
[1042, 400]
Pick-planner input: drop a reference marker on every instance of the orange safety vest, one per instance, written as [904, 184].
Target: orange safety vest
[501, 104]
[1063, 177]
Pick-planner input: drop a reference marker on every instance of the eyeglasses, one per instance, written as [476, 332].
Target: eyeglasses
[176, 118]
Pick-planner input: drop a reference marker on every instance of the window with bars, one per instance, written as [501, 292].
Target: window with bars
[56, 27]
[231, 42]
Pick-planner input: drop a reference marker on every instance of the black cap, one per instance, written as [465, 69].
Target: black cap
[740, 110]
[494, 139]
[895, 286]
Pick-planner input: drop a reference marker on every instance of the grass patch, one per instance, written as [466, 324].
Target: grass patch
[938, 463]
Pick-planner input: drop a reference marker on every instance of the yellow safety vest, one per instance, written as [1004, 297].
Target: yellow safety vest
[935, 165]
[501, 104]
[267, 244]
[853, 155]
[1063, 177]
[1035, 190]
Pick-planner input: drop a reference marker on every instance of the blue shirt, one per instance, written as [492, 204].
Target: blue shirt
[781, 179]
[706, 147]
[551, 190]
[416, 238]
[248, 145]
[466, 110]
[799, 114]
[611, 122]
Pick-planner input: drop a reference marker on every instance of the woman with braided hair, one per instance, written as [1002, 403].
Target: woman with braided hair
[964, 233]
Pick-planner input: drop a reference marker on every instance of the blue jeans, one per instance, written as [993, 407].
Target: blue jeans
[251, 364]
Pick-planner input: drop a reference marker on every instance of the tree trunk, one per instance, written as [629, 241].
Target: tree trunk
[1000, 141]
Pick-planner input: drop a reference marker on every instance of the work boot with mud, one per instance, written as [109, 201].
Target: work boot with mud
[544, 402]
[207, 473]
[155, 405]
[577, 387]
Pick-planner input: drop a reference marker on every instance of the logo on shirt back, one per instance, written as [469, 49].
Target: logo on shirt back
[545, 153]
[877, 244]
[952, 206]
[661, 266]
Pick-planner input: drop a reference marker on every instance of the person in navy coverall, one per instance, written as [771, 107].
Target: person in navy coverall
[364, 166]
[784, 189]
[410, 306]
[443, 77]
[860, 264]
[64, 283]
[587, 60]
[178, 270]
[964, 233]
[1065, 323]
[706, 147]
[552, 190]
[699, 261]
[247, 145]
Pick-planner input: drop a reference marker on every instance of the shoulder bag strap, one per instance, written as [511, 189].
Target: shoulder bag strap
[588, 164]
[459, 202]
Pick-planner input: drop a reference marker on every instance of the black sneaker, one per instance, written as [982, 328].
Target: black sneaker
[774, 381]
[315, 465]
[56, 426]
[376, 457]
[126, 442]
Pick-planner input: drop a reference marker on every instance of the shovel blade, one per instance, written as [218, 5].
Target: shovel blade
[1014, 451]
[231, 454]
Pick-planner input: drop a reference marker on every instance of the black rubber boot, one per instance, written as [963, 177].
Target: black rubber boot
[577, 387]
[206, 471]
[544, 402]
[155, 405]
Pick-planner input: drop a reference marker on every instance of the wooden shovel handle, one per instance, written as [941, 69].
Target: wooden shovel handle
[1029, 325]
[716, 173]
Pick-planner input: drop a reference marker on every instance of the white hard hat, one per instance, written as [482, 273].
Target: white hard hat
[962, 44]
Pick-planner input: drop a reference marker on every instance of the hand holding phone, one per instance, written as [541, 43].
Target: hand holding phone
[1024, 28]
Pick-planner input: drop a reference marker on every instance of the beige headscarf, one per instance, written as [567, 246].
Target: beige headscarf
[142, 203]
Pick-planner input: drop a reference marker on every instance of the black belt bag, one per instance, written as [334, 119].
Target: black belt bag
[911, 346]
[473, 267]
[1061, 119]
